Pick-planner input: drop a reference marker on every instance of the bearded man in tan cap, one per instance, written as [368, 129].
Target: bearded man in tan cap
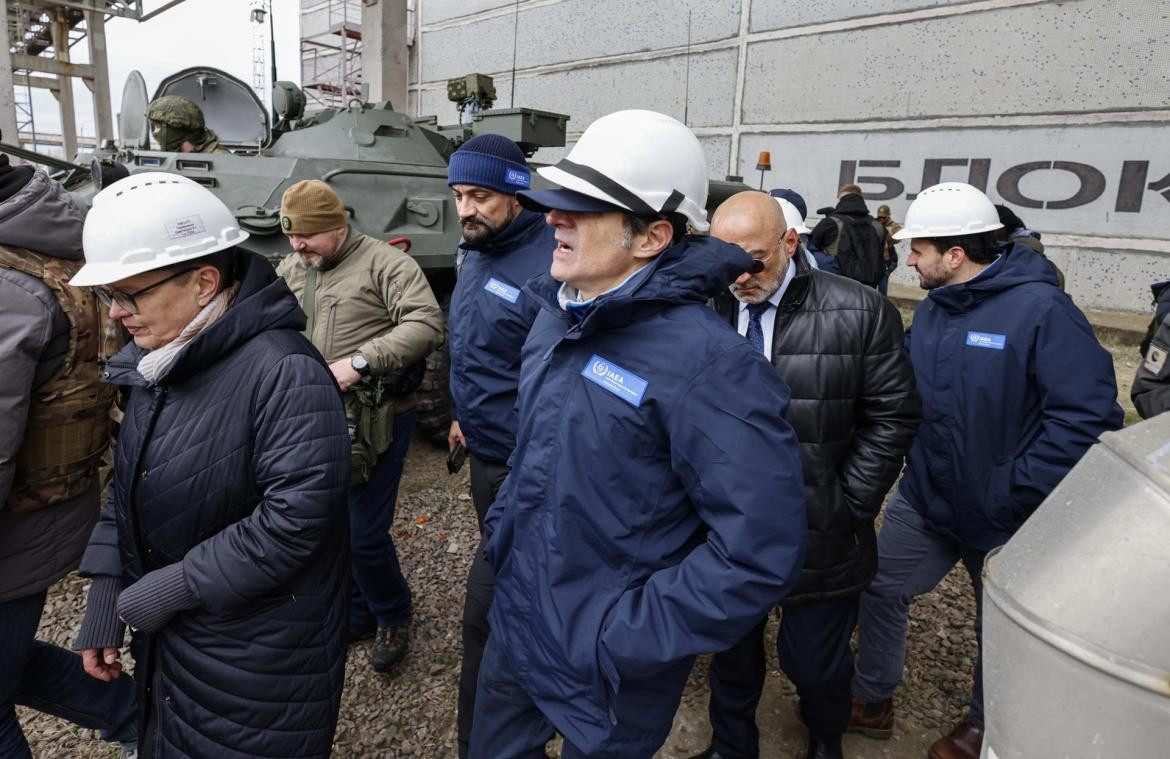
[373, 316]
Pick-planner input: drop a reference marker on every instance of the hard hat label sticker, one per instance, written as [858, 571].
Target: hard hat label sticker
[614, 379]
[184, 227]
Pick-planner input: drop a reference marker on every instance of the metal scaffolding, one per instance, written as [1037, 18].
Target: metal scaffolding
[41, 36]
[331, 51]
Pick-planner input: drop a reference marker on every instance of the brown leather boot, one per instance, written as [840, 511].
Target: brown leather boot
[872, 720]
[964, 742]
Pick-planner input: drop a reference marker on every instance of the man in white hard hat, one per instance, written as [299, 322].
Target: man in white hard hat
[1015, 388]
[838, 345]
[654, 510]
[223, 543]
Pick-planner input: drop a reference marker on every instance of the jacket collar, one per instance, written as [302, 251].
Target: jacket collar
[524, 225]
[852, 205]
[727, 306]
[353, 238]
[800, 285]
[691, 271]
[1017, 264]
[264, 302]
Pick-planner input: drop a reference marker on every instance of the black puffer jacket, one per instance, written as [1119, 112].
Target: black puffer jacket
[235, 466]
[839, 347]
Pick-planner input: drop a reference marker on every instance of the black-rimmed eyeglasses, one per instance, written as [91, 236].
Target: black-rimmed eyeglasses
[125, 300]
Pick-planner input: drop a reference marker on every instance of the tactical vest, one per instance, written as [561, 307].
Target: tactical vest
[68, 426]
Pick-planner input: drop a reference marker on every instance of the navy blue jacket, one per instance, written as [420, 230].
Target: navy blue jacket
[1015, 388]
[654, 510]
[236, 465]
[825, 262]
[489, 318]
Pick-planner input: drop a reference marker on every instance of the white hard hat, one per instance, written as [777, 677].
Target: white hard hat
[641, 161]
[150, 220]
[792, 217]
[948, 210]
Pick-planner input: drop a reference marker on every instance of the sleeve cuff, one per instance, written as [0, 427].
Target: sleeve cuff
[100, 627]
[371, 354]
[148, 604]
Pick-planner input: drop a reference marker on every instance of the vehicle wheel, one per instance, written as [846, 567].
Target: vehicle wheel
[434, 398]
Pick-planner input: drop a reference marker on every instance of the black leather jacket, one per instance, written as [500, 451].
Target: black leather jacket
[839, 347]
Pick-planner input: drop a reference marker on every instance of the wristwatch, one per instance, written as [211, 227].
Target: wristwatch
[359, 364]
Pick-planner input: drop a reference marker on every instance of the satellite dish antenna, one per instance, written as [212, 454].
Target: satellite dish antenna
[133, 126]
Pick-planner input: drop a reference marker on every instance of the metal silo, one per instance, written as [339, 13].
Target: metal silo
[1076, 628]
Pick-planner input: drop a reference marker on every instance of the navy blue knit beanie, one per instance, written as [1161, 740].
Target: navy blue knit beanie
[792, 197]
[491, 161]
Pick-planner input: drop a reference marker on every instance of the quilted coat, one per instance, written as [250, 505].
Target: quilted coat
[838, 345]
[235, 465]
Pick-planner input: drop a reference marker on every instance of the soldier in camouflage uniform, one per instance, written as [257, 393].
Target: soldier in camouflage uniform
[177, 126]
[56, 426]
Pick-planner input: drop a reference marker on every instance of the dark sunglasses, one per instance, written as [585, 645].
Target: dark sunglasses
[125, 300]
[759, 263]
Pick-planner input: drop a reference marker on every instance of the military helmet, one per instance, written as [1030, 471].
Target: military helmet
[175, 111]
[883, 211]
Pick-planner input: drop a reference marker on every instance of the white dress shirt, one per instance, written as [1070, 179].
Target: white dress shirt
[768, 319]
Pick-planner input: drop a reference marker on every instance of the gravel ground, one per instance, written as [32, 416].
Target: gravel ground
[411, 712]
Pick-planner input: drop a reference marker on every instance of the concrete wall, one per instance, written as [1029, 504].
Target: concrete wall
[1059, 109]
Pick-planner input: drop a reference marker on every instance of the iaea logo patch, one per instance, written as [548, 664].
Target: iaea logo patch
[614, 379]
[986, 340]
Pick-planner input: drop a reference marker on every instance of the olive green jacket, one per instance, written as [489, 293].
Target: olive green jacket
[372, 300]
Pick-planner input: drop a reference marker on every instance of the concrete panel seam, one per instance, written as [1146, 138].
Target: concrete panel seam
[927, 123]
[597, 62]
[854, 22]
[898, 17]
[1092, 242]
[744, 35]
[745, 15]
[739, 42]
[471, 18]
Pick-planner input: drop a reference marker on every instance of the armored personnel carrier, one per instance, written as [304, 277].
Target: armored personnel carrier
[389, 169]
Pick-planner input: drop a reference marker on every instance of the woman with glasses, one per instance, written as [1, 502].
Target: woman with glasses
[223, 542]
